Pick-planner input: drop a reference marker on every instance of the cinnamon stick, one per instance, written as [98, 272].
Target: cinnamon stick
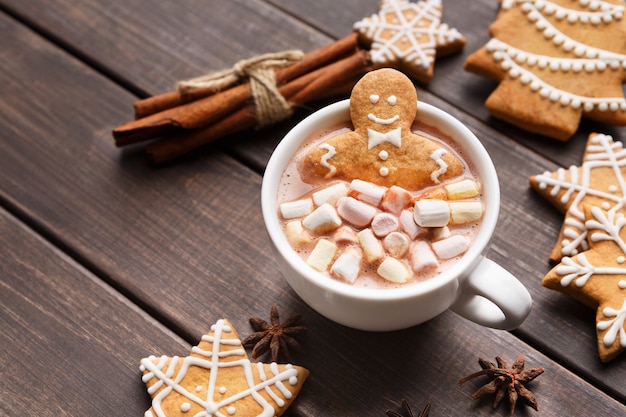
[311, 61]
[334, 79]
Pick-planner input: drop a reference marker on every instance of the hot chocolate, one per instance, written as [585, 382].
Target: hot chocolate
[374, 236]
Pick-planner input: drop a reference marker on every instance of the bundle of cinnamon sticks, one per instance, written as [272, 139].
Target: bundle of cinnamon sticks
[177, 122]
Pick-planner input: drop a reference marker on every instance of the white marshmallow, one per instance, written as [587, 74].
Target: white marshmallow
[355, 212]
[384, 223]
[431, 213]
[323, 219]
[348, 265]
[422, 258]
[463, 212]
[455, 191]
[330, 194]
[462, 189]
[298, 208]
[322, 255]
[345, 234]
[394, 270]
[395, 200]
[408, 225]
[453, 246]
[296, 235]
[439, 233]
[372, 248]
[396, 244]
[367, 192]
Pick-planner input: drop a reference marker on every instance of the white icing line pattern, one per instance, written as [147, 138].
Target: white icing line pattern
[579, 270]
[602, 152]
[423, 31]
[330, 152]
[437, 156]
[211, 360]
[585, 57]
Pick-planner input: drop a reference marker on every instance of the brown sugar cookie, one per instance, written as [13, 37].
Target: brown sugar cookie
[217, 379]
[382, 149]
[556, 62]
[409, 36]
[599, 181]
[597, 277]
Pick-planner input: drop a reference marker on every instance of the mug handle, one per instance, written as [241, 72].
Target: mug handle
[492, 297]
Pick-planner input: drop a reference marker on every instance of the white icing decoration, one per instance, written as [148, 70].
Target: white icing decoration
[423, 32]
[621, 259]
[381, 121]
[211, 360]
[231, 410]
[375, 138]
[222, 390]
[505, 53]
[601, 12]
[330, 152]
[374, 98]
[616, 325]
[392, 100]
[383, 155]
[383, 171]
[602, 152]
[437, 156]
[622, 284]
[184, 407]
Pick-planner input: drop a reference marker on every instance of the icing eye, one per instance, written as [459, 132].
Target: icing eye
[392, 100]
[374, 98]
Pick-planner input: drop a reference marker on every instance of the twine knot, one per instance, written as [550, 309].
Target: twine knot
[270, 106]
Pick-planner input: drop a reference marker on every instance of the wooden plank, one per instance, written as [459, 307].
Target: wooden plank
[159, 227]
[451, 82]
[152, 46]
[71, 345]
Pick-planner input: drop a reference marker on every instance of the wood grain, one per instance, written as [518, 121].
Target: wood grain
[71, 345]
[186, 244]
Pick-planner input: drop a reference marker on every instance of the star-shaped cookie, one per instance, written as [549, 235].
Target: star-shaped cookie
[556, 62]
[408, 36]
[600, 181]
[217, 379]
[597, 277]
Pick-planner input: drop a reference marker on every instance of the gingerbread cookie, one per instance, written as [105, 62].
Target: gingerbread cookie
[408, 36]
[217, 379]
[597, 277]
[556, 62]
[600, 181]
[382, 149]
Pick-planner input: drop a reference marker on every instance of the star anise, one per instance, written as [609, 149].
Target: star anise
[275, 337]
[407, 411]
[510, 382]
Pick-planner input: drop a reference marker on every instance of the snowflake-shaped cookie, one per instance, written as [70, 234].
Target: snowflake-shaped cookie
[597, 277]
[600, 181]
[556, 62]
[408, 36]
[218, 380]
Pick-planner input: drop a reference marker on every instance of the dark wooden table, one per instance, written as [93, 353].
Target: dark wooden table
[105, 259]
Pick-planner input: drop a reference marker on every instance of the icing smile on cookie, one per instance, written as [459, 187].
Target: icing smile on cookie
[381, 121]
[391, 100]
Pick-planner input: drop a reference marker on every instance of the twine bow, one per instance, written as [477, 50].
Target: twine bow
[270, 105]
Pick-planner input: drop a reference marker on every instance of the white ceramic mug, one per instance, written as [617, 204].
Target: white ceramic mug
[475, 287]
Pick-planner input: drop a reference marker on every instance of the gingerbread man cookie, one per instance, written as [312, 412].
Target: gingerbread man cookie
[382, 149]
